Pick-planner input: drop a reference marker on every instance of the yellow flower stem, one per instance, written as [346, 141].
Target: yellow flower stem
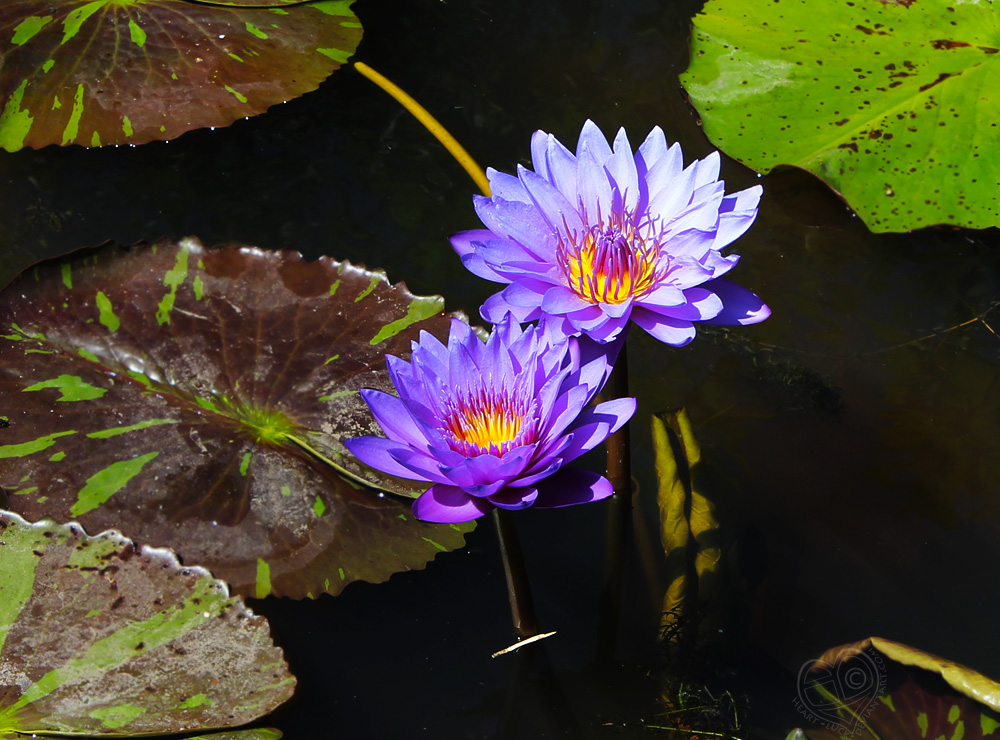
[522, 607]
[431, 124]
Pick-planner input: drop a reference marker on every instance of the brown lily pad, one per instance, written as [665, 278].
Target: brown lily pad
[198, 398]
[100, 637]
[109, 72]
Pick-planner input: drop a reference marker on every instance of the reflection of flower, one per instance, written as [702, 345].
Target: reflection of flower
[492, 424]
[603, 237]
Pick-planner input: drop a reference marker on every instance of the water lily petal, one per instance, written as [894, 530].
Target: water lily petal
[674, 332]
[706, 170]
[521, 222]
[596, 424]
[701, 305]
[506, 186]
[616, 310]
[621, 166]
[739, 305]
[449, 505]
[394, 418]
[514, 499]
[593, 187]
[635, 229]
[496, 307]
[475, 264]
[376, 452]
[560, 299]
[560, 214]
[462, 242]
[572, 486]
[593, 141]
[737, 213]
[562, 168]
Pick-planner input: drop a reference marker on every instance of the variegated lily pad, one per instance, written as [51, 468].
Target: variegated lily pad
[99, 72]
[197, 398]
[252, 3]
[877, 689]
[100, 637]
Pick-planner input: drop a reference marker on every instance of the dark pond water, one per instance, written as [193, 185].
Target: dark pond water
[850, 439]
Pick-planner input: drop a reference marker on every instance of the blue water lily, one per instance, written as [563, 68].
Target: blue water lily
[492, 424]
[604, 237]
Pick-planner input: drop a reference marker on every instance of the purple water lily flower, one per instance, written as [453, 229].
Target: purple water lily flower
[603, 237]
[492, 424]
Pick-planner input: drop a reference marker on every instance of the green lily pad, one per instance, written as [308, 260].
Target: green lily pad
[100, 72]
[894, 104]
[196, 398]
[100, 637]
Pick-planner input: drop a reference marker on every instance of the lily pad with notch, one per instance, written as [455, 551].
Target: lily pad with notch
[893, 104]
[197, 398]
[101, 637]
[100, 72]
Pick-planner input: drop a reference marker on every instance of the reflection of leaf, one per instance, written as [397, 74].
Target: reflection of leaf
[162, 390]
[688, 528]
[98, 636]
[878, 689]
[894, 105]
[99, 72]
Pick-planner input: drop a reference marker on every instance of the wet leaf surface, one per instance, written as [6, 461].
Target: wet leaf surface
[877, 689]
[100, 637]
[188, 396]
[100, 72]
[894, 105]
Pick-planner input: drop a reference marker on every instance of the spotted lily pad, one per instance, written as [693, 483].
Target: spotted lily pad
[99, 72]
[100, 637]
[197, 398]
[877, 689]
[894, 104]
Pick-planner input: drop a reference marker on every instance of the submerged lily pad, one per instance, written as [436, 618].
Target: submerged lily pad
[189, 396]
[877, 688]
[894, 104]
[100, 637]
[99, 72]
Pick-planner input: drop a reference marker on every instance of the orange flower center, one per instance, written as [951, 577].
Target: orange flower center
[611, 262]
[485, 423]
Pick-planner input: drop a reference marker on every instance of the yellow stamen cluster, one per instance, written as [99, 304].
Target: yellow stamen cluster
[485, 422]
[612, 261]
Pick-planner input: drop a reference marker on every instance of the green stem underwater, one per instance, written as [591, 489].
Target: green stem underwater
[522, 605]
[324, 459]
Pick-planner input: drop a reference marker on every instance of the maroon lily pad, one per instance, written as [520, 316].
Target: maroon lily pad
[109, 72]
[877, 688]
[197, 398]
[251, 3]
[101, 637]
